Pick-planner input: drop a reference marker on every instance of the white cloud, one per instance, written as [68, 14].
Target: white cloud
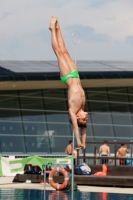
[88, 33]
[24, 30]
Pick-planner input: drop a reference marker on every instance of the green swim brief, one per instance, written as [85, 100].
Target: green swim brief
[73, 74]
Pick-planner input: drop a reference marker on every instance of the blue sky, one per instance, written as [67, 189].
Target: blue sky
[105, 27]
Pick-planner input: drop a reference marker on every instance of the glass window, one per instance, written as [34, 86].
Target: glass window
[119, 104]
[31, 100]
[55, 99]
[37, 121]
[12, 144]
[9, 99]
[119, 107]
[99, 94]
[90, 147]
[54, 93]
[89, 132]
[102, 131]
[89, 138]
[124, 131]
[34, 128]
[10, 114]
[36, 137]
[101, 118]
[55, 104]
[37, 144]
[58, 144]
[60, 129]
[9, 106]
[99, 106]
[31, 104]
[130, 95]
[37, 116]
[118, 94]
[11, 128]
[123, 119]
[57, 117]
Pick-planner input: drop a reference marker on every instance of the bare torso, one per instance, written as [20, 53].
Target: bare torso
[122, 151]
[68, 149]
[104, 149]
[76, 95]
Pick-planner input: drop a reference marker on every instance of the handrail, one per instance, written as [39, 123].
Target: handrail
[103, 157]
[96, 157]
[115, 141]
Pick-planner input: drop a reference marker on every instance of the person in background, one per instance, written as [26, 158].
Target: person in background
[122, 151]
[104, 150]
[68, 149]
[68, 169]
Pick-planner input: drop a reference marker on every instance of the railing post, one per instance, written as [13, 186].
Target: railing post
[77, 156]
[94, 153]
[131, 152]
[115, 151]
[84, 152]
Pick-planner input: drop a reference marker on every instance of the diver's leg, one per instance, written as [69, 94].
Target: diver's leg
[63, 48]
[63, 65]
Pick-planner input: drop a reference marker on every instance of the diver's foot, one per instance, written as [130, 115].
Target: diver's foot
[52, 23]
[57, 24]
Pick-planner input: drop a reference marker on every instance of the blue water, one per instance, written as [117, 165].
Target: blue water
[25, 194]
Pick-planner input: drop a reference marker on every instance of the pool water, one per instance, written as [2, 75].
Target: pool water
[28, 194]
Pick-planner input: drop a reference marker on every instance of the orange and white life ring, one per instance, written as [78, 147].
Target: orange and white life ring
[55, 185]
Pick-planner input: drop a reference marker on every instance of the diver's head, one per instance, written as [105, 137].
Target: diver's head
[82, 117]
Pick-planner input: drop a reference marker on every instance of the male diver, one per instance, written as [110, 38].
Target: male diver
[69, 76]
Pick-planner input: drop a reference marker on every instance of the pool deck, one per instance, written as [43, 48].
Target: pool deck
[6, 182]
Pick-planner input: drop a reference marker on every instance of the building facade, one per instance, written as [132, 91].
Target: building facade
[34, 116]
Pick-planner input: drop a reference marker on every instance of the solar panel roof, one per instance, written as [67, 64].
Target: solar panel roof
[52, 66]
[48, 70]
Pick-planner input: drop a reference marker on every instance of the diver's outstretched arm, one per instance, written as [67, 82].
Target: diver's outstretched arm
[75, 128]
